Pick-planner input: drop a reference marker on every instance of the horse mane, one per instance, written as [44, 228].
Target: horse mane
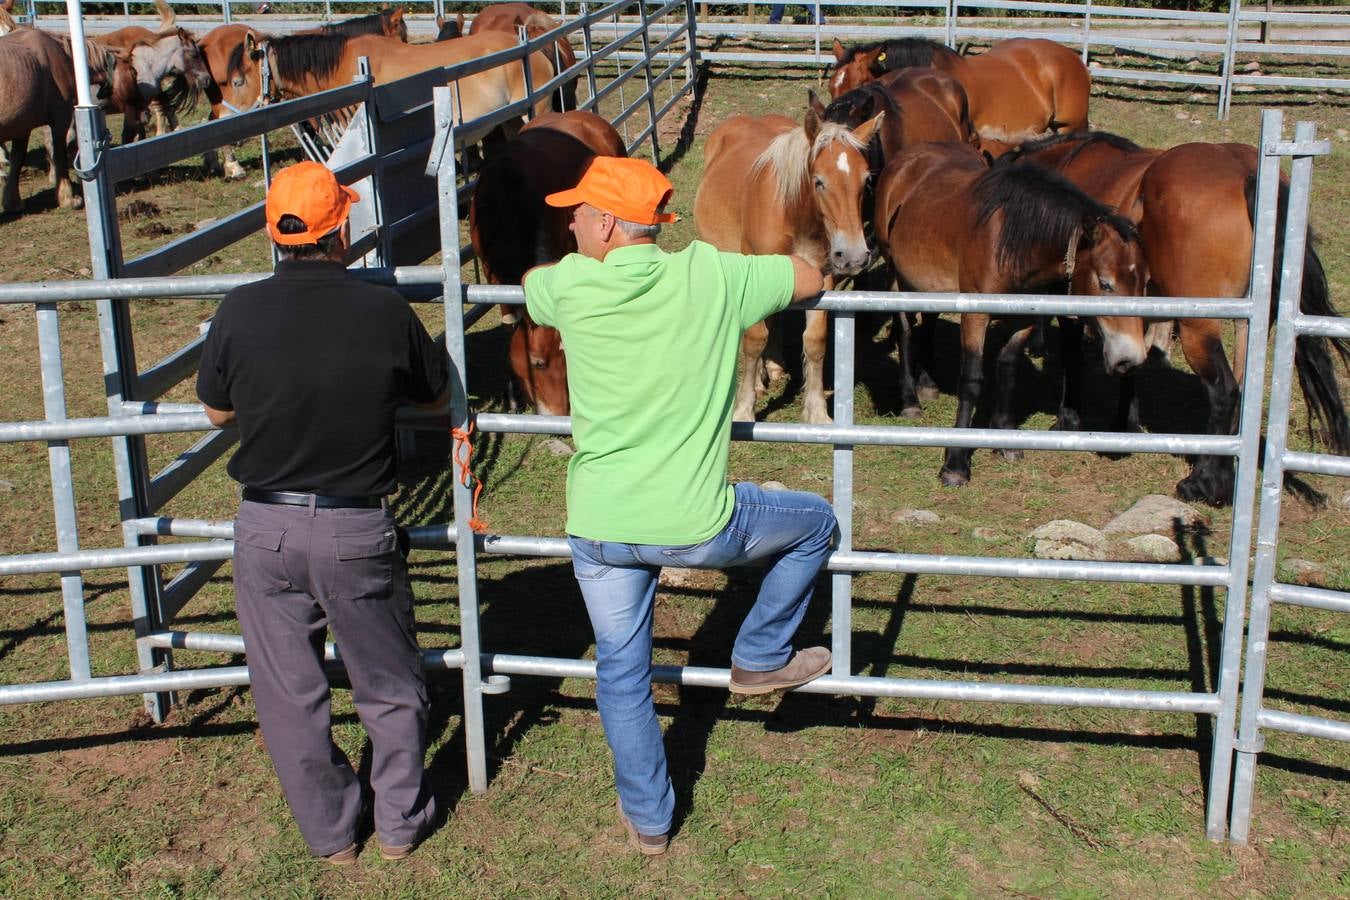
[790, 154]
[900, 53]
[300, 57]
[371, 24]
[860, 104]
[1039, 207]
[1082, 139]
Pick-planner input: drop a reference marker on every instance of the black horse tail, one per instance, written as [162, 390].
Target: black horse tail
[1313, 356]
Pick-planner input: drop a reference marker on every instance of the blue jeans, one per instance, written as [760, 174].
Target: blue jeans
[618, 582]
[776, 14]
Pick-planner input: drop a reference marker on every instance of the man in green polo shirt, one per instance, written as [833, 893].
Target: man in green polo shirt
[652, 341]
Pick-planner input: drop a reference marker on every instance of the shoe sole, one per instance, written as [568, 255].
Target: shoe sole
[635, 841]
[770, 687]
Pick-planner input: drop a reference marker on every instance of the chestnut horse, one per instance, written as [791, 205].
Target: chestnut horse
[304, 64]
[1194, 205]
[1019, 89]
[387, 22]
[920, 104]
[509, 18]
[946, 222]
[236, 86]
[39, 92]
[512, 229]
[773, 186]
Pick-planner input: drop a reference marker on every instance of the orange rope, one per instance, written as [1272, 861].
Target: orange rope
[463, 453]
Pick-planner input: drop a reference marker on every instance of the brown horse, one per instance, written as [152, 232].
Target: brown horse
[386, 23]
[39, 92]
[304, 64]
[1019, 89]
[946, 222]
[773, 186]
[513, 229]
[510, 18]
[236, 86]
[1194, 207]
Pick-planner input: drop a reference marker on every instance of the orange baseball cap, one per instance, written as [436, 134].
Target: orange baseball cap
[629, 189]
[311, 193]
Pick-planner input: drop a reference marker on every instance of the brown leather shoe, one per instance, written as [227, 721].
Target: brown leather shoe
[646, 844]
[344, 857]
[805, 665]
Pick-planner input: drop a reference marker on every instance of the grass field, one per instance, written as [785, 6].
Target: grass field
[803, 795]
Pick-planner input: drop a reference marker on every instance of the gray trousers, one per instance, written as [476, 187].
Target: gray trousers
[298, 572]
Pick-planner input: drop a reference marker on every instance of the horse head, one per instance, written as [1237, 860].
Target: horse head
[540, 367]
[395, 26]
[242, 88]
[837, 170]
[173, 53]
[1112, 264]
[853, 66]
[449, 29]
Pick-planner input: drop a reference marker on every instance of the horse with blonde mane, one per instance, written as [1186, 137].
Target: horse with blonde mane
[773, 186]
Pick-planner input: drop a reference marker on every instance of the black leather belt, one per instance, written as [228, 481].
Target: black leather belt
[322, 501]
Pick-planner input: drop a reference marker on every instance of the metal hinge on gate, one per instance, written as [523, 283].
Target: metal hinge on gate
[1255, 745]
[1298, 148]
[101, 143]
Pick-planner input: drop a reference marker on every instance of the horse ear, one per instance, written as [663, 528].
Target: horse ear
[814, 103]
[839, 52]
[251, 45]
[459, 20]
[396, 15]
[168, 20]
[440, 22]
[812, 120]
[865, 131]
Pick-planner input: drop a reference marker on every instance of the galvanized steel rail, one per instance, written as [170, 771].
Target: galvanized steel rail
[1266, 587]
[154, 603]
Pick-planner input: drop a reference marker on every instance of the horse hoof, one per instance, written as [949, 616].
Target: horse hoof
[912, 412]
[928, 392]
[236, 175]
[1011, 455]
[953, 479]
[1193, 489]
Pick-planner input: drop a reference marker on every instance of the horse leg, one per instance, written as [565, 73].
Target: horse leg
[1211, 477]
[9, 197]
[752, 350]
[926, 332]
[1071, 364]
[1006, 373]
[772, 365]
[59, 152]
[956, 464]
[1158, 338]
[902, 329]
[814, 339]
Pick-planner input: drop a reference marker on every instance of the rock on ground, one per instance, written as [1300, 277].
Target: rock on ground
[987, 534]
[1067, 539]
[557, 447]
[1155, 513]
[774, 486]
[916, 517]
[1305, 571]
[1154, 547]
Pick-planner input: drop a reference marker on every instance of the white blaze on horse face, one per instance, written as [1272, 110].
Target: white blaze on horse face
[838, 82]
[842, 162]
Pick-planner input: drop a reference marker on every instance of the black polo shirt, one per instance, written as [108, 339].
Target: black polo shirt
[314, 362]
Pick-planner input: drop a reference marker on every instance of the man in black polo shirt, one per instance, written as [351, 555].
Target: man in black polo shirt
[311, 365]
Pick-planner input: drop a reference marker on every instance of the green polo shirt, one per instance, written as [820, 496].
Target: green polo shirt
[652, 340]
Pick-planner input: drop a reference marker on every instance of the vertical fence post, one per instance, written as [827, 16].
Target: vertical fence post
[119, 378]
[1244, 493]
[647, 75]
[371, 137]
[841, 583]
[225, 11]
[466, 555]
[63, 489]
[1087, 29]
[589, 48]
[952, 12]
[1272, 486]
[1229, 59]
[691, 43]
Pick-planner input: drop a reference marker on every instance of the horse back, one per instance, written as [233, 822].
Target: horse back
[934, 106]
[39, 83]
[1196, 225]
[925, 212]
[728, 198]
[1024, 87]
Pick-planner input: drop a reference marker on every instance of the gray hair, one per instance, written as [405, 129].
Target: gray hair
[634, 230]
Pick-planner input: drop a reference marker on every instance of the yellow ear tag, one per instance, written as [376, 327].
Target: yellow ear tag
[881, 57]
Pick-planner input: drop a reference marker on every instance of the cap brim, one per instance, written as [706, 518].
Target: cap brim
[570, 197]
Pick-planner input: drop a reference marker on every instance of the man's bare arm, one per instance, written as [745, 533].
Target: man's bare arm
[221, 418]
[807, 280]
